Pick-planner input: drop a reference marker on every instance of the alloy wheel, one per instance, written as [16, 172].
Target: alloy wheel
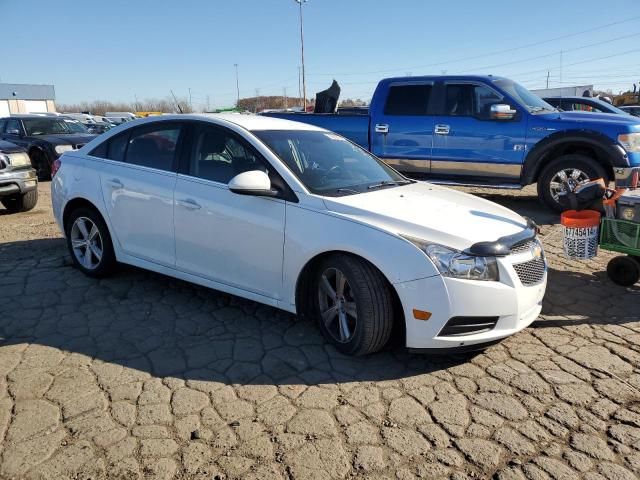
[86, 243]
[572, 176]
[337, 303]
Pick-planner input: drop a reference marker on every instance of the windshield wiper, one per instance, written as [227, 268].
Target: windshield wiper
[388, 183]
[347, 190]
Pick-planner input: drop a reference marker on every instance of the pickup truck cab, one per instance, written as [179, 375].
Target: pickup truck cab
[485, 131]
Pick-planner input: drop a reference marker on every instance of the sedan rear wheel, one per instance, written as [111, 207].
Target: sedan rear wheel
[89, 243]
[354, 304]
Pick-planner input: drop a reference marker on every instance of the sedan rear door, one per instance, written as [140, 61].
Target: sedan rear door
[138, 178]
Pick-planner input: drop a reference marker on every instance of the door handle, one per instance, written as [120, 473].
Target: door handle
[189, 203]
[115, 183]
[382, 128]
[441, 130]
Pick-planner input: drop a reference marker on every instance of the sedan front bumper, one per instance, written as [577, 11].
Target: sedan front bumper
[508, 306]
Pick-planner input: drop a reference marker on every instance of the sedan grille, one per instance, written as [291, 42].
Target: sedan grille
[531, 272]
[523, 247]
[459, 326]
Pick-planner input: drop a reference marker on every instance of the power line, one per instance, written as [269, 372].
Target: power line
[497, 52]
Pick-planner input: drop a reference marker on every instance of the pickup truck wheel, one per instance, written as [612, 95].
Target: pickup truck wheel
[354, 305]
[89, 243]
[573, 169]
[41, 165]
[22, 202]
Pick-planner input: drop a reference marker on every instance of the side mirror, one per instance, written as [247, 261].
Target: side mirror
[502, 111]
[253, 182]
[13, 131]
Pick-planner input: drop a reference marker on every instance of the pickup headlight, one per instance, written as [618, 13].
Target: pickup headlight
[630, 141]
[456, 264]
[19, 159]
[60, 149]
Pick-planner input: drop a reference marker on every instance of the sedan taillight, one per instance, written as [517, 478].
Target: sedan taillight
[55, 167]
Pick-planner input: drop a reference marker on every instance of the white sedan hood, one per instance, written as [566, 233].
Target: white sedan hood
[430, 212]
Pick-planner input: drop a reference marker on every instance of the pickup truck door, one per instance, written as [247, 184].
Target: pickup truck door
[402, 131]
[468, 142]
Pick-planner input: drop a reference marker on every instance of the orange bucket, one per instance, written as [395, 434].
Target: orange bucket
[580, 230]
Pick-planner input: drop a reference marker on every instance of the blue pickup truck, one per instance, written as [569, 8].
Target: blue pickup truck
[485, 131]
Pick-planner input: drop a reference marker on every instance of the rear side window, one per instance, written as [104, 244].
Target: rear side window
[408, 100]
[112, 149]
[153, 146]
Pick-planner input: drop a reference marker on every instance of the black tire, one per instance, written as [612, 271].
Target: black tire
[41, 164]
[624, 271]
[368, 289]
[22, 202]
[585, 164]
[107, 263]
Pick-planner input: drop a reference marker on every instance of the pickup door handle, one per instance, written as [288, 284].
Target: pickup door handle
[382, 128]
[441, 130]
[189, 203]
[115, 183]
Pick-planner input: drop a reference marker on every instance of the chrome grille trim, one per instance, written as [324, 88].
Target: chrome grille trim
[531, 272]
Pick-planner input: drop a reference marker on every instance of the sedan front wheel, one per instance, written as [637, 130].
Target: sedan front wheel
[354, 304]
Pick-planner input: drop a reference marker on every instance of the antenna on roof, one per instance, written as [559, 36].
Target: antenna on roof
[176, 101]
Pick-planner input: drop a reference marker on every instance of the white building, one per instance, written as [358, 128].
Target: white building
[23, 98]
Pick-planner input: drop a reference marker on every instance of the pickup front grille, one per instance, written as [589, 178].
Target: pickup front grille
[459, 326]
[531, 272]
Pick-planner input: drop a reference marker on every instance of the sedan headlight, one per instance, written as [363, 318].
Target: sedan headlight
[60, 149]
[630, 141]
[19, 159]
[456, 264]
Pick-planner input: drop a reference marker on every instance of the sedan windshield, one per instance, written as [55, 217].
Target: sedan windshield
[524, 97]
[328, 164]
[50, 126]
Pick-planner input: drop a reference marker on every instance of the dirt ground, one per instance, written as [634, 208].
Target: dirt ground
[143, 376]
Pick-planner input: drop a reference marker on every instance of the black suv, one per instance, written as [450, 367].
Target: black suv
[44, 138]
[18, 184]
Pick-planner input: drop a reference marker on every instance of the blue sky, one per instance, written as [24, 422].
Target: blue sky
[119, 49]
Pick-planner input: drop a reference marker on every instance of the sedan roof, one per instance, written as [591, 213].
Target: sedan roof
[249, 122]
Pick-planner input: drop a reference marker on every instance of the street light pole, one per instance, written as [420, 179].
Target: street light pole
[237, 85]
[304, 82]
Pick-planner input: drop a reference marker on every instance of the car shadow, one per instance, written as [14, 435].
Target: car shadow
[167, 327]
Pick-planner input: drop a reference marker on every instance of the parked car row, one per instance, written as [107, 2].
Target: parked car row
[44, 138]
[487, 131]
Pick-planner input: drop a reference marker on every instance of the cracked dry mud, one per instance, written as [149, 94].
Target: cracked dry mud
[142, 376]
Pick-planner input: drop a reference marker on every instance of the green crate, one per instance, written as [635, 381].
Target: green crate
[620, 236]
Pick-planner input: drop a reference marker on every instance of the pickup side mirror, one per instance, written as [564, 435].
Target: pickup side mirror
[14, 131]
[502, 111]
[253, 182]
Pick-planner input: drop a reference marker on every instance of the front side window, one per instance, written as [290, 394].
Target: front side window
[328, 164]
[470, 100]
[13, 124]
[153, 147]
[219, 156]
[529, 100]
[407, 100]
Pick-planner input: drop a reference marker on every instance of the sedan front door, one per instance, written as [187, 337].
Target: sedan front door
[235, 240]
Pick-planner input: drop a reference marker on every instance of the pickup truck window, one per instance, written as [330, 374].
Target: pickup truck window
[469, 99]
[328, 164]
[407, 100]
[532, 102]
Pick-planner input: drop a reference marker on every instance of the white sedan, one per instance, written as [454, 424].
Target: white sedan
[294, 216]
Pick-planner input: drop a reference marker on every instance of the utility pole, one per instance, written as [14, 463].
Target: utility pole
[299, 83]
[547, 78]
[304, 80]
[208, 104]
[257, 97]
[190, 104]
[285, 97]
[237, 85]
